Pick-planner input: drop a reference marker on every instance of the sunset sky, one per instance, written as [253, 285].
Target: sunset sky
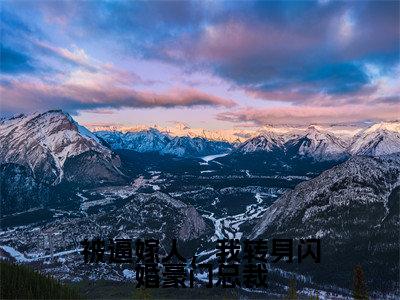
[209, 64]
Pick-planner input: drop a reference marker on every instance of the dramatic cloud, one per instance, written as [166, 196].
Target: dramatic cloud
[321, 50]
[73, 96]
[94, 55]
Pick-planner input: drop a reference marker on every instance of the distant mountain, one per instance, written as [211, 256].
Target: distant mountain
[320, 144]
[379, 139]
[354, 209]
[152, 140]
[334, 142]
[187, 146]
[238, 135]
[183, 130]
[313, 143]
[266, 142]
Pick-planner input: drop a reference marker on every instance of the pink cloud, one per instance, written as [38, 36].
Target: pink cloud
[306, 94]
[20, 96]
[311, 114]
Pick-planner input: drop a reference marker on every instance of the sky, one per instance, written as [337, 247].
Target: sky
[208, 64]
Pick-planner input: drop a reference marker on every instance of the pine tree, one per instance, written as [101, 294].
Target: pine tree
[359, 286]
[292, 292]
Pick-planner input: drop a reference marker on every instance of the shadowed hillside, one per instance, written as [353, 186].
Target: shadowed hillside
[22, 282]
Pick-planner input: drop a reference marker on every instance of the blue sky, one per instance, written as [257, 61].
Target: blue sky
[210, 64]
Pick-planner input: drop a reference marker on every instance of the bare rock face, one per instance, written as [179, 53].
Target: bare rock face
[193, 224]
[178, 219]
[354, 209]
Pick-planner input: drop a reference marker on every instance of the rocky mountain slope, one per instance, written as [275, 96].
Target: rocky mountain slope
[379, 139]
[43, 150]
[51, 143]
[354, 209]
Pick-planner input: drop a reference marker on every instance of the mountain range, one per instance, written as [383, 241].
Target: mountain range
[53, 148]
[237, 135]
[379, 139]
[152, 140]
[338, 185]
[42, 150]
[314, 141]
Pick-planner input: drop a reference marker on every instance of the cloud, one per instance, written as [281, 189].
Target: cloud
[76, 56]
[234, 39]
[78, 81]
[303, 53]
[71, 95]
[310, 114]
[101, 111]
[319, 50]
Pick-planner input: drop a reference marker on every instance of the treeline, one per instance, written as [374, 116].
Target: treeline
[360, 291]
[22, 282]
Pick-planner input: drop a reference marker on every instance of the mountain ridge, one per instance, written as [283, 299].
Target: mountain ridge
[353, 209]
[379, 139]
[315, 141]
[152, 140]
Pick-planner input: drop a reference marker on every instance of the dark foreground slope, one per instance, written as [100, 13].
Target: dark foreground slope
[22, 282]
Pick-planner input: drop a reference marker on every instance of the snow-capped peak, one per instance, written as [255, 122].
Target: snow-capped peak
[152, 140]
[388, 126]
[265, 142]
[320, 145]
[323, 143]
[86, 133]
[379, 139]
[44, 141]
